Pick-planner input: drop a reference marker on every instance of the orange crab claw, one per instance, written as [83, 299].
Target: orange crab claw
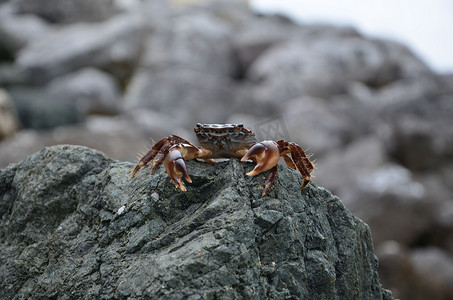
[176, 168]
[266, 155]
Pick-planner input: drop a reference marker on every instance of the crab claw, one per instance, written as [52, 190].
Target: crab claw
[266, 155]
[176, 168]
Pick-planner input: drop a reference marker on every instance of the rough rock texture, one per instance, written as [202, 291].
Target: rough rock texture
[367, 109]
[75, 225]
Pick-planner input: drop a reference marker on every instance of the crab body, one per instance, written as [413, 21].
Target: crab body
[225, 141]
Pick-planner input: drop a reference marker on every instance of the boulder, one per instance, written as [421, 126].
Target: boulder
[12, 75]
[380, 192]
[69, 11]
[73, 224]
[185, 70]
[16, 31]
[113, 45]
[256, 37]
[437, 263]
[199, 41]
[409, 278]
[40, 110]
[189, 95]
[421, 128]
[122, 137]
[317, 124]
[307, 66]
[90, 90]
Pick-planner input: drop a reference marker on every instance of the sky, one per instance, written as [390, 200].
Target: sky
[425, 26]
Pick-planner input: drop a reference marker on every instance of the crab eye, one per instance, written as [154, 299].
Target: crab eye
[240, 125]
[199, 125]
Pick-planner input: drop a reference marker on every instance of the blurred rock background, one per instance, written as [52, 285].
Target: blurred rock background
[113, 75]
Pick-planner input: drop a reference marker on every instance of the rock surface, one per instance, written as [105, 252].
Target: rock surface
[110, 44]
[75, 225]
[38, 109]
[68, 11]
[93, 91]
[368, 109]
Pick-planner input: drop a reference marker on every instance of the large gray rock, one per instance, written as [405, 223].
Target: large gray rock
[121, 137]
[113, 44]
[190, 96]
[437, 263]
[258, 36]
[75, 225]
[91, 90]
[308, 66]
[38, 109]
[186, 69]
[417, 275]
[18, 30]
[198, 40]
[11, 75]
[68, 11]
[420, 114]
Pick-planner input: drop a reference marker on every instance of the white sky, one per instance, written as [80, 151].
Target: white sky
[425, 26]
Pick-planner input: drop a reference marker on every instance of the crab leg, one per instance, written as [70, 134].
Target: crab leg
[302, 163]
[289, 162]
[157, 160]
[270, 180]
[159, 148]
[149, 155]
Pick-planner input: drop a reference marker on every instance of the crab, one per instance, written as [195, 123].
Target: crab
[225, 141]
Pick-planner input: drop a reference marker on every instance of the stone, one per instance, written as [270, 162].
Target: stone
[188, 95]
[421, 128]
[342, 169]
[399, 272]
[70, 11]
[391, 195]
[258, 36]
[186, 70]
[113, 45]
[40, 110]
[74, 224]
[318, 134]
[198, 41]
[90, 90]
[307, 66]
[11, 75]
[381, 192]
[16, 31]
[436, 262]
[124, 137]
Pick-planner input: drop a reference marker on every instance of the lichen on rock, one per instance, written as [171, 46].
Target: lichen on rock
[63, 236]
